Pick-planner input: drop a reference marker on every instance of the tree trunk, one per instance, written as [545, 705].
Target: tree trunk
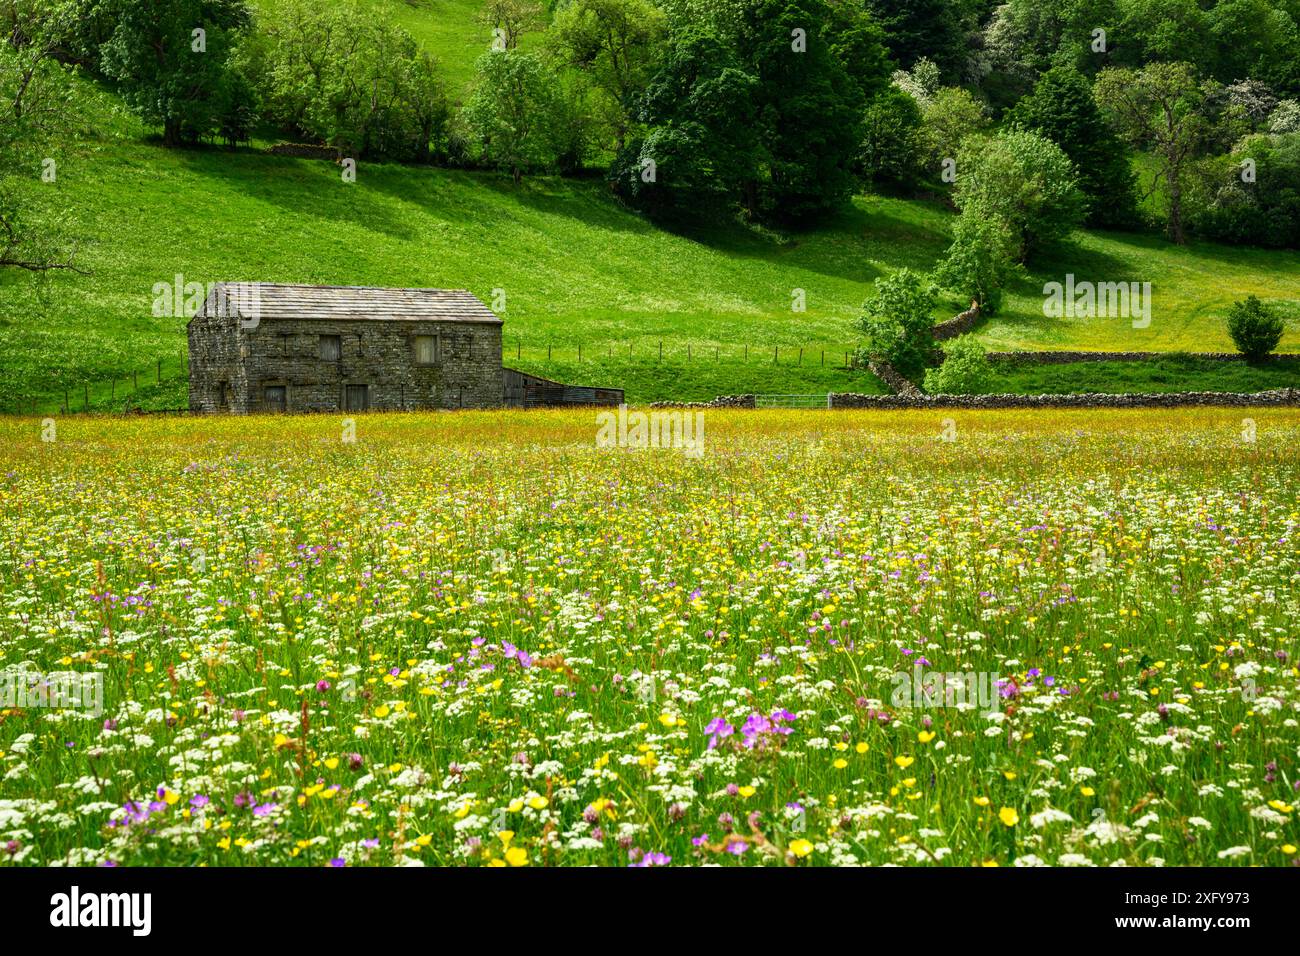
[171, 131]
[1175, 207]
[751, 199]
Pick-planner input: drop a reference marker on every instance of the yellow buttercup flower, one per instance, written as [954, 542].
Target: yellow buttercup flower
[1008, 816]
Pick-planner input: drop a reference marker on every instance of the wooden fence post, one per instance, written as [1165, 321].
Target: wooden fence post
[661, 350]
[800, 362]
[776, 354]
[160, 371]
[85, 396]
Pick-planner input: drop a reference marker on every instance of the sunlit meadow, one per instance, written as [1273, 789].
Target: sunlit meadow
[479, 639]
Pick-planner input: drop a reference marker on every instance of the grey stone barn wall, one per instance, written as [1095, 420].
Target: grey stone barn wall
[377, 353]
[214, 343]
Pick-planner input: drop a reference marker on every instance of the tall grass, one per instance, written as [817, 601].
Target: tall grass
[479, 639]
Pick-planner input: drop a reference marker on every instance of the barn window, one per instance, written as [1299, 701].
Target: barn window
[330, 348]
[426, 350]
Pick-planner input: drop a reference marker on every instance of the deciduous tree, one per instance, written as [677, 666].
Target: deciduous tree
[1158, 107]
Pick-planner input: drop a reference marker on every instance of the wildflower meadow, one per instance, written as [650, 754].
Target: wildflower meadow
[485, 639]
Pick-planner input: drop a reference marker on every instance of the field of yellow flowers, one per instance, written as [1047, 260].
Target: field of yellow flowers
[478, 639]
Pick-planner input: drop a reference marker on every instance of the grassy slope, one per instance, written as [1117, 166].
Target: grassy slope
[1192, 289]
[576, 267]
[1174, 373]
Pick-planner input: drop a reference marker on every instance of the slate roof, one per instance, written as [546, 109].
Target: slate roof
[348, 303]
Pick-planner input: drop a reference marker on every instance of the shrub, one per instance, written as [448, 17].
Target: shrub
[950, 116]
[979, 262]
[893, 142]
[1285, 118]
[1025, 181]
[1254, 328]
[899, 324]
[966, 370]
[1264, 211]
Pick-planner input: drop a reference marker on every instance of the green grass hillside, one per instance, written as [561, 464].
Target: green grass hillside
[577, 269]
[575, 266]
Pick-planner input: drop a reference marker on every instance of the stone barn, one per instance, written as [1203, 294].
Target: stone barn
[264, 347]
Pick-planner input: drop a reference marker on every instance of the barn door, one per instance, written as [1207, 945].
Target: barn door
[356, 398]
[275, 398]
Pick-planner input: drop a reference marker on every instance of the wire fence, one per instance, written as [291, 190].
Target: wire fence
[146, 388]
[676, 351]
